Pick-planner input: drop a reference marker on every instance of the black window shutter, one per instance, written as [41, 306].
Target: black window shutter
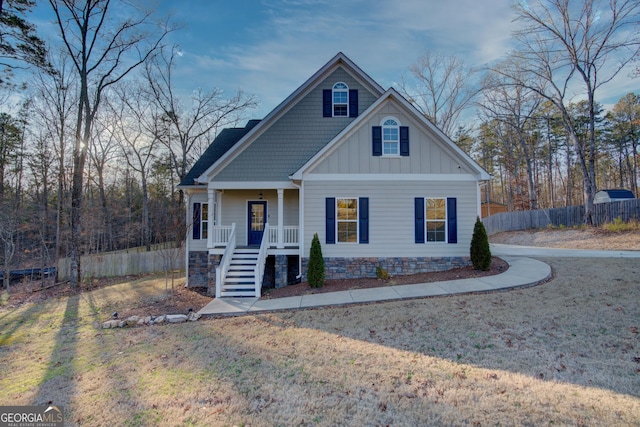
[353, 102]
[404, 140]
[376, 140]
[327, 103]
[196, 220]
[452, 220]
[419, 219]
[330, 207]
[363, 217]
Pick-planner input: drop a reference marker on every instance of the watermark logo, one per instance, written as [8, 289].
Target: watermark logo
[31, 416]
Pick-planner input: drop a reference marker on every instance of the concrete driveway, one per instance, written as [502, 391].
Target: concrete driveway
[499, 249]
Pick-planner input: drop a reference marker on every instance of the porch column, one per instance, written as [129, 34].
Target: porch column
[188, 236]
[280, 218]
[211, 193]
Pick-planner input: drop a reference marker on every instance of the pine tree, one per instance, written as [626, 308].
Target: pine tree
[480, 252]
[315, 269]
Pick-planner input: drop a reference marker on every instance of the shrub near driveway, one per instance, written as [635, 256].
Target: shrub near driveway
[563, 353]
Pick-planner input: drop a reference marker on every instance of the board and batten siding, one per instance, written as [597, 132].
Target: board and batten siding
[295, 137]
[235, 204]
[391, 217]
[428, 154]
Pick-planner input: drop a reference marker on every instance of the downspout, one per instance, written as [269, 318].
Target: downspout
[300, 226]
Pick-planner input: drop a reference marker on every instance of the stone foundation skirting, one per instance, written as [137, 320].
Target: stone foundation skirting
[353, 268]
[198, 269]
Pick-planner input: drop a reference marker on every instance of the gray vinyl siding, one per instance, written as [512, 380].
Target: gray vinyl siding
[428, 154]
[295, 137]
[391, 217]
[235, 206]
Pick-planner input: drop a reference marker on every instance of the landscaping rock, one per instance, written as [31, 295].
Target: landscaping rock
[176, 318]
[131, 321]
[149, 320]
[110, 324]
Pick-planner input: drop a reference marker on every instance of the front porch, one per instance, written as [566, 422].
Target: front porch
[240, 271]
[240, 228]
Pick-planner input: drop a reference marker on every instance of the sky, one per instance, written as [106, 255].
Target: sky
[268, 48]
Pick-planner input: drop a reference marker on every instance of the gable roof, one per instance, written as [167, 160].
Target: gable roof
[340, 60]
[392, 94]
[220, 145]
[619, 193]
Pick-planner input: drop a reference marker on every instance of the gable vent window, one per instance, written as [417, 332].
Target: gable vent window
[340, 101]
[390, 139]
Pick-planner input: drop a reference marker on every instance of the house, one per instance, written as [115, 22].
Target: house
[340, 157]
[614, 195]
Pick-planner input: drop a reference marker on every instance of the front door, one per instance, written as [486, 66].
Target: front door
[257, 219]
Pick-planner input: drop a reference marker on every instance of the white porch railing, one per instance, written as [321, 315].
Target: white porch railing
[222, 234]
[262, 257]
[289, 236]
[221, 271]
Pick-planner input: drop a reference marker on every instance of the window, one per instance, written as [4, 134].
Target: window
[340, 99]
[436, 217]
[200, 221]
[390, 138]
[347, 220]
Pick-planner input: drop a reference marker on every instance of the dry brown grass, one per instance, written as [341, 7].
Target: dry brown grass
[563, 353]
[604, 238]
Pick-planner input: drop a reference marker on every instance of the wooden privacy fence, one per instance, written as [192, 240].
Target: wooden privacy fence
[571, 216]
[113, 264]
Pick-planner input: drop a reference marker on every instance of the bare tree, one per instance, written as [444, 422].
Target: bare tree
[516, 107]
[133, 127]
[104, 150]
[574, 48]
[442, 89]
[55, 97]
[183, 128]
[625, 118]
[103, 52]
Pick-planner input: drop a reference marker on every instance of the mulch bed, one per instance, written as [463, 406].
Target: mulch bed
[497, 266]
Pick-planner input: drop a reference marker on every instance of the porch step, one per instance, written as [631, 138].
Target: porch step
[241, 280]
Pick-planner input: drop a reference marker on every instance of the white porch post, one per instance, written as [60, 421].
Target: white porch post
[211, 193]
[188, 237]
[280, 218]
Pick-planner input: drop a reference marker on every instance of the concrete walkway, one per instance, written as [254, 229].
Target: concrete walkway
[522, 271]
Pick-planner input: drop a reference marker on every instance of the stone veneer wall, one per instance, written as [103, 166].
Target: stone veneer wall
[198, 269]
[353, 268]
